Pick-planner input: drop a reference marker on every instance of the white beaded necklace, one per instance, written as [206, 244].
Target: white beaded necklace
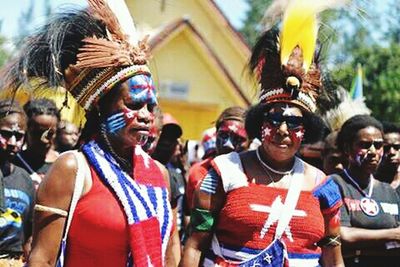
[270, 168]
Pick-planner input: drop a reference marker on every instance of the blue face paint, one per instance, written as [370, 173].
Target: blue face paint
[142, 89]
[120, 120]
[115, 122]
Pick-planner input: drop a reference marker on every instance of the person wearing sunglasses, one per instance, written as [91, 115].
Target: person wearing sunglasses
[389, 169]
[108, 203]
[370, 229]
[36, 159]
[16, 188]
[229, 135]
[268, 207]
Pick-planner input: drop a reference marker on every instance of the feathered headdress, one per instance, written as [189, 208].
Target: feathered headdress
[286, 62]
[88, 52]
[345, 109]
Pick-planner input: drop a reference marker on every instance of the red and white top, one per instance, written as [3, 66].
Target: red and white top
[247, 222]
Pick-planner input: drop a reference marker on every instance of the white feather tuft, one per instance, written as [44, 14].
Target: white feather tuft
[347, 108]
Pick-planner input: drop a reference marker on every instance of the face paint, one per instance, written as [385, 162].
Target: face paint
[231, 136]
[361, 155]
[297, 134]
[120, 120]
[235, 127]
[268, 131]
[142, 89]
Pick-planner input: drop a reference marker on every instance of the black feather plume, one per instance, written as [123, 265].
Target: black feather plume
[48, 52]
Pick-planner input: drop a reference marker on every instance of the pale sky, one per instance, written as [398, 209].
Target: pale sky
[235, 10]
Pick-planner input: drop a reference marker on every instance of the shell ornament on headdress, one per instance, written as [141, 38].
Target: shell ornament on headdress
[86, 51]
[284, 62]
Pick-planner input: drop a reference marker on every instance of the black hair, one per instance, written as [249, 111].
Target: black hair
[232, 113]
[48, 52]
[94, 117]
[8, 107]
[390, 127]
[313, 124]
[41, 106]
[350, 128]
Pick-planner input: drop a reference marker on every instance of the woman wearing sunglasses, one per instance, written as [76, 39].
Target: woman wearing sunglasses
[369, 217]
[106, 204]
[16, 188]
[267, 207]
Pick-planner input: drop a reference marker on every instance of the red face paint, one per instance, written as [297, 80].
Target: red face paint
[268, 132]
[296, 134]
[129, 115]
[235, 127]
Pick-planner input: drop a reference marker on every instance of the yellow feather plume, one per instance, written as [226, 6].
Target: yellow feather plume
[300, 28]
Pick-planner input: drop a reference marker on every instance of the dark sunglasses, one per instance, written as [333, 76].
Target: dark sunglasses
[276, 119]
[368, 144]
[8, 134]
[387, 147]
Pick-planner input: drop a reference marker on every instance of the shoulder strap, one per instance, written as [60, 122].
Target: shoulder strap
[78, 189]
[292, 198]
[231, 170]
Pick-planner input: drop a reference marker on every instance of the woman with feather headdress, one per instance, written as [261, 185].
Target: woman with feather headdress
[267, 207]
[109, 199]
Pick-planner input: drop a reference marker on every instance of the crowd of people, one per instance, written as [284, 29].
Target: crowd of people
[123, 191]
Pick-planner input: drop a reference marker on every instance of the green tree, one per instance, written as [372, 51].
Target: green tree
[4, 54]
[371, 39]
[381, 78]
[366, 33]
[252, 24]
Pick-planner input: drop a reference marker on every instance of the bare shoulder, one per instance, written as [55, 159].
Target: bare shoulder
[57, 186]
[247, 154]
[313, 175]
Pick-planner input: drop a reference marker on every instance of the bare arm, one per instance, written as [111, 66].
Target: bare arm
[199, 241]
[356, 238]
[331, 254]
[55, 191]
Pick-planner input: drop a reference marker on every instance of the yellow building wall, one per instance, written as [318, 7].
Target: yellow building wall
[193, 118]
[233, 53]
[180, 60]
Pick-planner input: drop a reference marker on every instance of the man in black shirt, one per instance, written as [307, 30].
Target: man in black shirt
[16, 187]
